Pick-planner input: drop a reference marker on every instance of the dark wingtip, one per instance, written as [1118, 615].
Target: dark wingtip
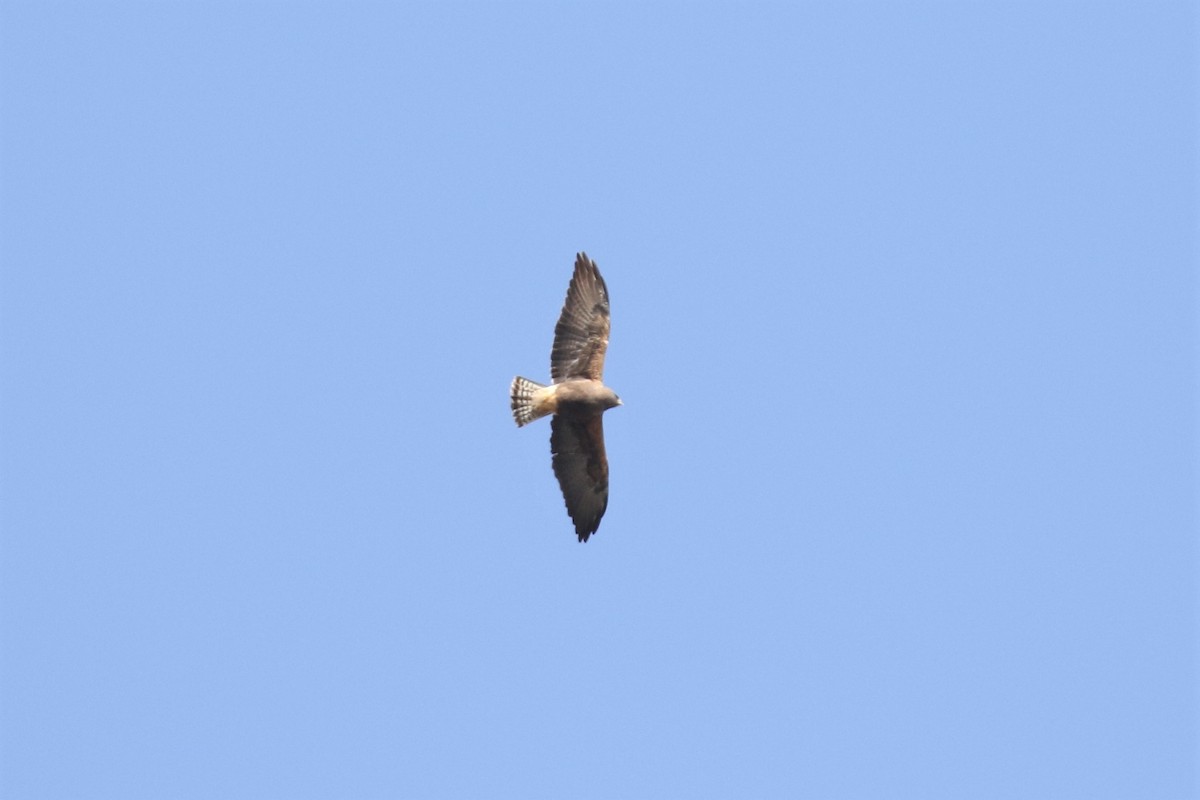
[583, 264]
[583, 531]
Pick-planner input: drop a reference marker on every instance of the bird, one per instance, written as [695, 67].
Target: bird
[576, 397]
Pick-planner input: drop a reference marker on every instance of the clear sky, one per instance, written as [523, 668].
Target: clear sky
[905, 323]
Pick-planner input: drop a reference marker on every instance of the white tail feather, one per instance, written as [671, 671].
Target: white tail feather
[522, 394]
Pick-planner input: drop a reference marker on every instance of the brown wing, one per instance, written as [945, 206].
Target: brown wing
[581, 468]
[581, 335]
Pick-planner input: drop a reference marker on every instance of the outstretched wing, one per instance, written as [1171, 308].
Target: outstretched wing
[581, 468]
[581, 335]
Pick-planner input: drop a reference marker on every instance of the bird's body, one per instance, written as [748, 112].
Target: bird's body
[574, 398]
[577, 398]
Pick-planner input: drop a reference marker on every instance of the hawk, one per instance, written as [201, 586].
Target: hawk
[577, 397]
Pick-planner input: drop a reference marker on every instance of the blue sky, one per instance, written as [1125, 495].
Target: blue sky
[904, 320]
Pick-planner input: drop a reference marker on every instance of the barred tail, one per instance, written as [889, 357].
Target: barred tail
[522, 400]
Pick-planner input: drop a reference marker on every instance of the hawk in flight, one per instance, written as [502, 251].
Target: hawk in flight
[577, 397]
